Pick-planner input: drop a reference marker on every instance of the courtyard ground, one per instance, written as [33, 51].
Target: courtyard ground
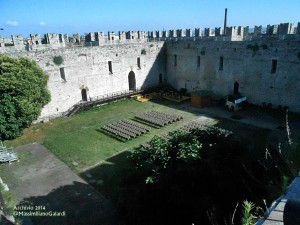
[42, 178]
[43, 181]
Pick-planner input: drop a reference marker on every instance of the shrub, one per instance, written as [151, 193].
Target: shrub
[58, 60]
[254, 47]
[23, 93]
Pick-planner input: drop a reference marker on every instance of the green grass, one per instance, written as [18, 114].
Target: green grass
[77, 139]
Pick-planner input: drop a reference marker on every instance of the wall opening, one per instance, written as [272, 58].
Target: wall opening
[221, 63]
[131, 81]
[198, 61]
[84, 95]
[60, 38]
[139, 62]
[36, 42]
[175, 60]
[62, 73]
[110, 67]
[160, 79]
[274, 66]
[236, 88]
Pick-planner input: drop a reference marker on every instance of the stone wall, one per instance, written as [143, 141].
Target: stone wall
[266, 71]
[88, 68]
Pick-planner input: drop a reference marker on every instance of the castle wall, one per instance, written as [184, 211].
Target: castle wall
[251, 64]
[88, 68]
[266, 66]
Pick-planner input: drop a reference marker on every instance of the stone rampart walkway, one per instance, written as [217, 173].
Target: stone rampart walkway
[275, 216]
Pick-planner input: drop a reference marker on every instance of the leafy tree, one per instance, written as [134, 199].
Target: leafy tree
[183, 177]
[23, 93]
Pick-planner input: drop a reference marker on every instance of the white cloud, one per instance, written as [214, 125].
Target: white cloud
[12, 23]
[42, 23]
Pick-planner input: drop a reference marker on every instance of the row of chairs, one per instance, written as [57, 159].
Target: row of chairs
[168, 116]
[125, 129]
[192, 125]
[159, 118]
[7, 154]
[115, 132]
[133, 126]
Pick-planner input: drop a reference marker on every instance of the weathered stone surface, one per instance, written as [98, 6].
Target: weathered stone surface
[88, 68]
[248, 63]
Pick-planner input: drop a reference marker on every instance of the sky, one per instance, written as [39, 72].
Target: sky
[83, 16]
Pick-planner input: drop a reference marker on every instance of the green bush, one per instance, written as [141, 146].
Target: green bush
[7, 199]
[264, 46]
[254, 47]
[248, 217]
[58, 60]
[23, 93]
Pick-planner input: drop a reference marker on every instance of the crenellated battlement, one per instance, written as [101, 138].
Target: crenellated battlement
[282, 31]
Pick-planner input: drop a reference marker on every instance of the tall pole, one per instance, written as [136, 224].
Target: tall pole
[225, 22]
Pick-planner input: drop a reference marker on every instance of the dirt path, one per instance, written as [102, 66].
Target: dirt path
[42, 181]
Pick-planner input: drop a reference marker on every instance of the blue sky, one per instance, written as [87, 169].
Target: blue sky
[71, 16]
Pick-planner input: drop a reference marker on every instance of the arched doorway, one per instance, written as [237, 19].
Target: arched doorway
[131, 81]
[236, 88]
[160, 78]
[83, 95]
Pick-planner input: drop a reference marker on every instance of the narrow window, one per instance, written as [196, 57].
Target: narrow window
[175, 60]
[139, 62]
[36, 42]
[198, 61]
[274, 66]
[110, 66]
[160, 78]
[62, 73]
[221, 63]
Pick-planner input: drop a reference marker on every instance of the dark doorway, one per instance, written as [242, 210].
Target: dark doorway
[84, 95]
[160, 78]
[274, 66]
[131, 81]
[221, 63]
[110, 67]
[236, 88]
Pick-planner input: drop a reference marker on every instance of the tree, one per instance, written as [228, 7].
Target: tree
[181, 178]
[23, 93]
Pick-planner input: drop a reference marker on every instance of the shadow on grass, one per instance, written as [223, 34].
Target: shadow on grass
[78, 204]
[214, 181]
[107, 176]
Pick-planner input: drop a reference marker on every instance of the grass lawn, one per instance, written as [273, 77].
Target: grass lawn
[77, 139]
